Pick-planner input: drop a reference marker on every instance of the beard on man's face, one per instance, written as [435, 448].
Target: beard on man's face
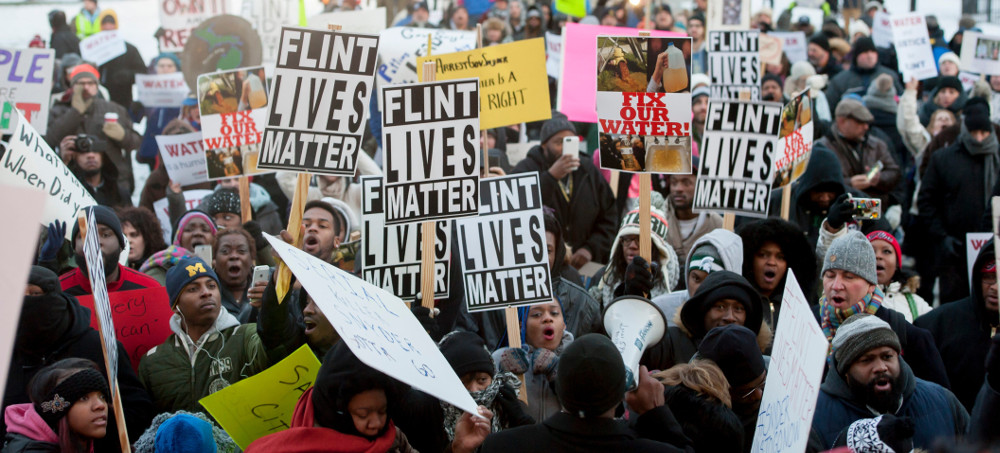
[883, 401]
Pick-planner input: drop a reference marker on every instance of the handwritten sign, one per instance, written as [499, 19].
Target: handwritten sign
[974, 242]
[141, 318]
[402, 45]
[184, 157]
[26, 81]
[913, 46]
[263, 404]
[233, 107]
[161, 90]
[178, 18]
[30, 163]
[793, 380]
[377, 326]
[102, 47]
[102, 304]
[795, 140]
[161, 207]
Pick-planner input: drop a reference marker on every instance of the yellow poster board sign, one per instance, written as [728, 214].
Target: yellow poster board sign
[513, 84]
[263, 404]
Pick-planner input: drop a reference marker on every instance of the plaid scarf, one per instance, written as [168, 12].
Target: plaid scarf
[831, 317]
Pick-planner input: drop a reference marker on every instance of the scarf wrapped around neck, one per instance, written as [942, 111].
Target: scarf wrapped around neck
[486, 397]
[831, 317]
[988, 148]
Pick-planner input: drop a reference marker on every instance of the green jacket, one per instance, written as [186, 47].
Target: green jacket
[176, 380]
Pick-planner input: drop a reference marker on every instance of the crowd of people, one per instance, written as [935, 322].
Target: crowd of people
[913, 358]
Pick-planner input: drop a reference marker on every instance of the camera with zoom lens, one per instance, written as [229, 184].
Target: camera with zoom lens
[83, 143]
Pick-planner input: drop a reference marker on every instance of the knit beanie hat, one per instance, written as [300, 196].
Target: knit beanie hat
[700, 91]
[734, 349]
[705, 258]
[858, 26]
[342, 376]
[168, 55]
[56, 404]
[859, 334]
[466, 353]
[888, 237]
[590, 376]
[103, 215]
[223, 201]
[862, 45]
[977, 115]
[149, 441]
[83, 71]
[770, 78]
[45, 279]
[187, 217]
[950, 82]
[852, 253]
[949, 56]
[876, 435]
[820, 40]
[343, 210]
[881, 95]
[558, 123]
[700, 79]
[185, 433]
[186, 271]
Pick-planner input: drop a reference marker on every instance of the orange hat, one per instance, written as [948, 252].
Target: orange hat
[83, 70]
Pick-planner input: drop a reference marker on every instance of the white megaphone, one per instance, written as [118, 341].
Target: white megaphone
[633, 323]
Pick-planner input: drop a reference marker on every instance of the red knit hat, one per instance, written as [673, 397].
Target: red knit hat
[83, 70]
[884, 236]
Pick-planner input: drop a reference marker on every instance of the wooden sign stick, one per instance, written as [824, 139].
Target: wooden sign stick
[246, 211]
[786, 201]
[514, 341]
[729, 221]
[645, 217]
[482, 132]
[284, 278]
[427, 227]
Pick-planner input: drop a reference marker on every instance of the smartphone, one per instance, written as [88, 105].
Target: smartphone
[260, 274]
[204, 252]
[867, 208]
[571, 146]
[875, 170]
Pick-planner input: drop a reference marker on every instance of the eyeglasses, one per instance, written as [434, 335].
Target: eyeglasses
[628, 240]
[85, 83]
[751, 392]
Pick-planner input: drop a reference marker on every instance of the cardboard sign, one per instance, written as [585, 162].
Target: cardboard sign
[178, 18]
[794, 44]
[102, 304]
[392, 253]
[26, 81]
[974, 242]
[377, 326]
[141, 319]
[184, 158]
[371, 21]
[793, 379]
[728, 15]
[161, 90]
[263, 404]
[737, 157]
[981, 53]
[102, 47]
[430, 135]
[734, 64]
[319, 106]
[913, 46]
[233, 107]
[795, 140]
[30, 163]
[882, 29]
[504, 253]
[513, 87]
[161, 207]
[578, 86]
[553, 54]
[267, 17]
[402, 45]
[644, 104]
[770, 50]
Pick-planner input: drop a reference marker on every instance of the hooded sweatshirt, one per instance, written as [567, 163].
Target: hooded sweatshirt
[730, 249]
[822, 173]
[27, 432]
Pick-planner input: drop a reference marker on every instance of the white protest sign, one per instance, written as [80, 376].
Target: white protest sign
[793, 378]
[102, 304]
[402, 45]
[430, 135]
[319, 105]
[377, 326]
[392, 253]
[178, 18]
[981, 53]
[737, 157]
[161, 207]
[371, 21]
[974, 242]
[184, 157]
[267, 17]
[882, 29]
[233, 107]
[794, 43]
[26, 81]
[102, 47]
[504, 254]
[734, 64]
[29, 162]
[161, 90]
[913, 46]
[968, 80]
[553, 54]
[795, 140]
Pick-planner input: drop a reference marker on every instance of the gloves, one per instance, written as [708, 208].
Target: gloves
[544, 362]
[993, 363]
[53, 241]
[638, 278]
[114, 131]
[423, 314]
[78, 103]
[841, 210]
[514, 360]
[253, 228]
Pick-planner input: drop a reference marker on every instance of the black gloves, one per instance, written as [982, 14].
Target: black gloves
[841, 211]
[423, 315]
[639, 277]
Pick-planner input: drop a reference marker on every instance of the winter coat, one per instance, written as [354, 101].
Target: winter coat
[935, 411]
[952, 192]
[156, 120]
[64, 41]
[180, 372]
[541, 391]
[898, 295]
[118, 74]
[930, 106]
[706, 221]
[588, 218]
[986, 414]
[856, 80]
[27, 431]
[962, 332]
[730, 248]
[856, 159]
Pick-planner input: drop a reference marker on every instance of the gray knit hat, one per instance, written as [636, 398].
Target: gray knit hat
[881, 95]
[853, 253]
[558, 123]
[859, 334]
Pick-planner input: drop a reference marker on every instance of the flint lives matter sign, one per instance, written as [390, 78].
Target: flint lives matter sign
[430, 132]
[504, 253]
[737, 155]
[319, 104]
[734, 64]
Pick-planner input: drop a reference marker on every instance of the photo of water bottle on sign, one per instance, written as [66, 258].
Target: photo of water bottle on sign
[644, 103]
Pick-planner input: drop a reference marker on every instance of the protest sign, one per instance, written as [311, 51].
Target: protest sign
[553, 54]
[319, 106]
[400, 47]
[504, 254]
[913, 46]
[267, 17]
[728, 15]
[644, 104]
[793, 43]
[734, 64]
[220, 43]
[882, 29]
[968, 80]
[178, 18]
[430, 139]
[377, 326]
[184, 158]
[737, 155]
[29, 162]
[392, 253]
[141, 319]
[263, 404]
[578, 86]
[795, 140]
[233, 106]
[102, 304]
[793, 379]
[370, 21]
[161, 207]
[26, 83]
[974, 242]
[981, 53]
[513, 87]
[102, 47]
[161, 90]
[770, 50]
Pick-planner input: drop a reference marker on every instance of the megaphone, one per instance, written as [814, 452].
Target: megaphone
[633, 323]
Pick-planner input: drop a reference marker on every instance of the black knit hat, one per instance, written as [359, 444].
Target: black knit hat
[590, 378]
[466, 353]
[103, 216]
[821, 40]
[45, 279]
[862, 45]
[57, 402]
[223, 201]
[770, 77]
[734, 349]
[977, 115]
[950, 82]
[342, 376]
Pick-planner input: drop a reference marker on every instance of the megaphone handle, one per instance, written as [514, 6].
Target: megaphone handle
[514, 341]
